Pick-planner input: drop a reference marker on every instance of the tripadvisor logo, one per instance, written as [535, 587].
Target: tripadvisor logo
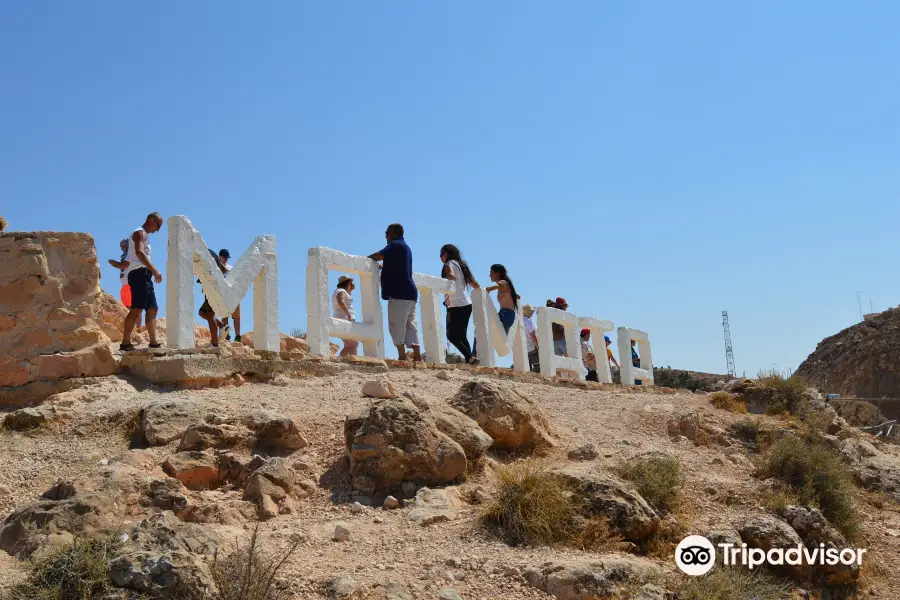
[695, 555]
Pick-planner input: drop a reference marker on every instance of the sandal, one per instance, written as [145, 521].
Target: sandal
[154, 345]
[126, 347]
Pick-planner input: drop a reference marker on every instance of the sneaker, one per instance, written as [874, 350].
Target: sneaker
[225, 332]
[237, 339]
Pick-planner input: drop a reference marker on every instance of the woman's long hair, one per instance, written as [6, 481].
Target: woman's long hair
[501, 271]
[454, 254]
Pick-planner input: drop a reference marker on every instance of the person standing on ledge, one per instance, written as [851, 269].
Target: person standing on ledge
[141, 275]
[3, 224]
[225, 328]
[459, 303]
[398, 288]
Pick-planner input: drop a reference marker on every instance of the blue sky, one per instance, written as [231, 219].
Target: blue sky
[653, 162]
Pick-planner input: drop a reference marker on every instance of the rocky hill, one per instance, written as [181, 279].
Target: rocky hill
[861, 361]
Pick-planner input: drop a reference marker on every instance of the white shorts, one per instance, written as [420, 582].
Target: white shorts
[402, 322]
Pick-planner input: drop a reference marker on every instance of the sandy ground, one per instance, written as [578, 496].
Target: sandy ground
[721, 491]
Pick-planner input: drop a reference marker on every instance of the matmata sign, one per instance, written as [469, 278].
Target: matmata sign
[489, 331]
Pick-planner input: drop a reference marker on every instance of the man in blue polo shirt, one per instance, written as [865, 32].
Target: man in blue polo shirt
[398, 288]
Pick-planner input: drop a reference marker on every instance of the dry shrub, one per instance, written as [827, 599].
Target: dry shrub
[788, 394]
[724, 583]
[596, 535]
[531, 505]
[73, 572]
[659, 479]
[818, 477]
[249, 572]
[726, 401]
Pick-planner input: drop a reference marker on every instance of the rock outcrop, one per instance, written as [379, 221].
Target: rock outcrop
[512, 420]
[394, 441]
[587, 579]
[861, 361]
[600, 494]
[50, 308]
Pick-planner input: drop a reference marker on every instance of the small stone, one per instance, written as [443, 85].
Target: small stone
[892, 532]
[237, 379]
[4, 491]
[443, 375]
[341, 531]
[379, 388]
[342, 587]
[585, 452]
[453, 562]
[390, 503]
[449, 594]
[267, 507]
[512, 572]
[378, 520]
[309, 485]
[356, 508]
[103, 462]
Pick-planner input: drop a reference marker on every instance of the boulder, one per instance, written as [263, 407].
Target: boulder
[395, 442]
[872, 468]
[30, 418]
[460, 428]
[589, 579]
[814, 529]
[165, 421]
[202, 436]
[274, 432]
[687, 424]
[585, 452]
[342, 587]
[434, 506]
[379, 388]
[196, 470]
[600, 494]
[511, 419]
[163, 557]
[769, 532]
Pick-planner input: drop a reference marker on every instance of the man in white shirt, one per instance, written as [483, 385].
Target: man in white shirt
[225, 328]
[531, 339]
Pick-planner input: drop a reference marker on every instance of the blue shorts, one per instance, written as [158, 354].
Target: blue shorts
[143, 295]
[559, 347]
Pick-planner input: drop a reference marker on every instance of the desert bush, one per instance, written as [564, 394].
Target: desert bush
[76, 572]
[788, 393]
[726, 401]
[595, 535]
[818, 477]
[531, 506]
[249, 572]
[296, 332]
[723, 583]
[659, 479]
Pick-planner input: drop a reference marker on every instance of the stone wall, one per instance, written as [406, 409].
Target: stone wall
[49, 308]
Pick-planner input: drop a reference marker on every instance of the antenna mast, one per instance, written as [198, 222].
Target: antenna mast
[729, 353]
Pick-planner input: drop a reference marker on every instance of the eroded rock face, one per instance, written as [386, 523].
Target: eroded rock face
[601, 494]
[49, 308]
[511, 419]
[859, 361]
[587, 579]
[393, 442]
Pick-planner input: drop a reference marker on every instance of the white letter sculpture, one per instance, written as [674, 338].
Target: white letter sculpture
[320, 325]
[598, 332]
[550, 362]
[491, 336]
[431, 290]
[629, 372]
[189, 257]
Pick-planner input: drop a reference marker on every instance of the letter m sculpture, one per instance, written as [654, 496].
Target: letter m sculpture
[189, 257]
